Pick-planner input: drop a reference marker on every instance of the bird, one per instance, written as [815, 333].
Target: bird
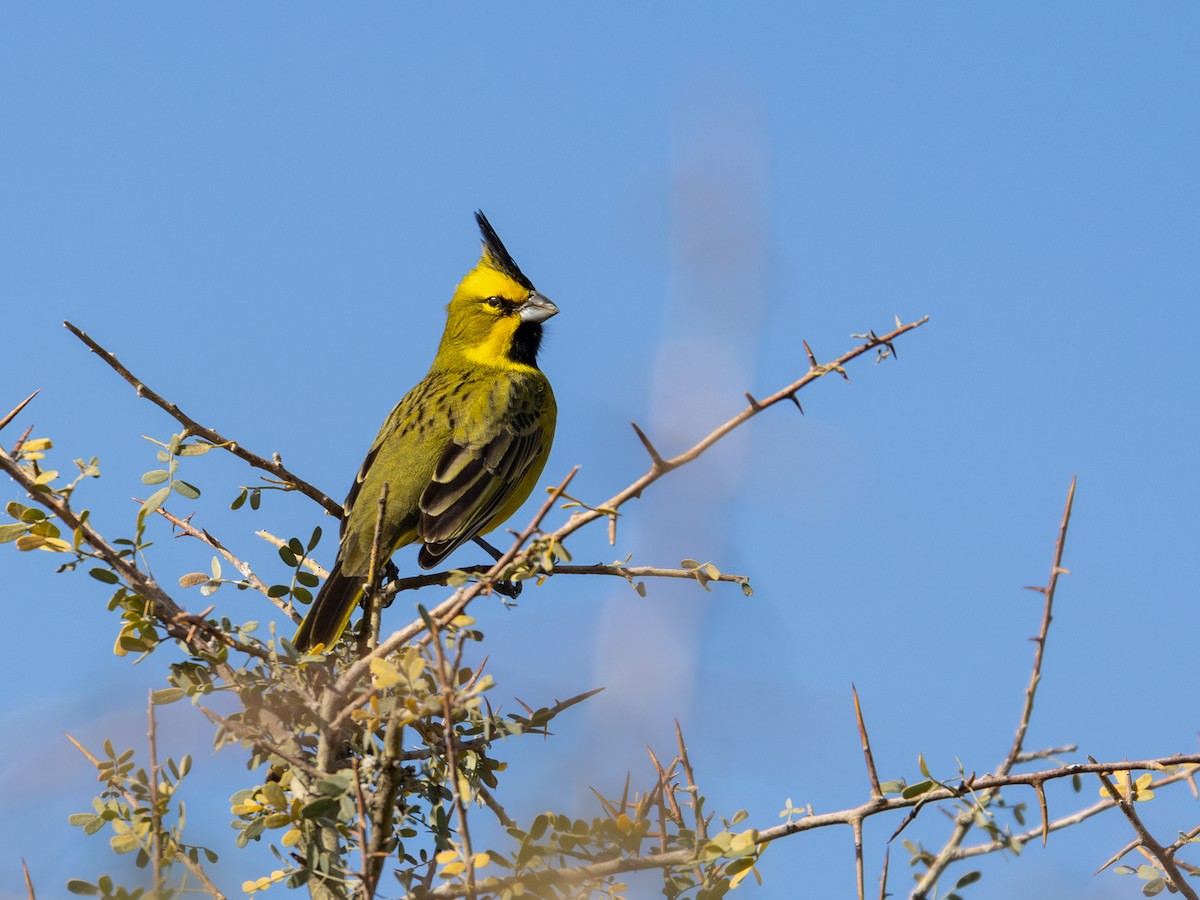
[461, 451]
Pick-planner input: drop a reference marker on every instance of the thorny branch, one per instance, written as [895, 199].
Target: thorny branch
[185, 627]
[660, 466]
[949, 852]
[872, 807]
[274, 466]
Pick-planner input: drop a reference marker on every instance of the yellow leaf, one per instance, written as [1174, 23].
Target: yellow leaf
[455, 868]
[291, 839]
[446, 856]
[30, 541]
[386, 675]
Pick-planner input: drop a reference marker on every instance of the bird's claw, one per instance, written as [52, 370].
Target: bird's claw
[509, 589]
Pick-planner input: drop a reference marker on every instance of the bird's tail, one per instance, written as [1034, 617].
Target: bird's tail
[330, 611]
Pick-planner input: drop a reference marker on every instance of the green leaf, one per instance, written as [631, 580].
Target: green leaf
[29, 514]
[969, 878]
[915, 790]
[157, 476]
[124, 843]
[308, 579]
[288, 557]
[11, 532]
[238, 500]
[105, 575]
[186, 489]
[197, 449]
[156, 500]
[318, 808]
[315, 539]
[87, 889]
[166, 695]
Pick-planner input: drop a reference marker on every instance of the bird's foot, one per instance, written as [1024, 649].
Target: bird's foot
[509, 589]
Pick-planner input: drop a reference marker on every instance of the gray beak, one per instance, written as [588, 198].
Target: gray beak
[537, 308]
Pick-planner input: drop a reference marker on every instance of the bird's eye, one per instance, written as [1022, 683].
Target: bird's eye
[495, 302]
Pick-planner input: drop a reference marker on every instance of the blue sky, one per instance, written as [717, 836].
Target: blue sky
[263, 210]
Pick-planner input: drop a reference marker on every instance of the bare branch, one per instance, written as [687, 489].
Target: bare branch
[663, 465]
[965, 823]
[243, 568]
[274, 466]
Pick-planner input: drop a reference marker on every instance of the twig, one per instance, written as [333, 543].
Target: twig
[486, 796]
[847, 817]
[384, 800]
[374, 601]
[1164, 858]
[660, 465]
[177, 851]
[275, 466]
[243, 568]
[364, 851]
[308, 562]
[965, 823]
[450, 743]
[701, 821]
[155, 812]
[416, 582]
[264, 745]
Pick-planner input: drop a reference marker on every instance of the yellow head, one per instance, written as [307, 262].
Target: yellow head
[496, 315]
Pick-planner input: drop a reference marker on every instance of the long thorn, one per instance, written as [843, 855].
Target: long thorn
[659, 462]
[20, 406]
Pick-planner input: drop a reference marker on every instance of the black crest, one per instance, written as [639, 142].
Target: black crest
[499, 256]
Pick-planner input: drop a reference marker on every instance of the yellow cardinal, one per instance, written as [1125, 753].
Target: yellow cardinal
[463, 449]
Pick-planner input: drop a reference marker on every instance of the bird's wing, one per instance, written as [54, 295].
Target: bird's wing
[478, 476]
[398, 422]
